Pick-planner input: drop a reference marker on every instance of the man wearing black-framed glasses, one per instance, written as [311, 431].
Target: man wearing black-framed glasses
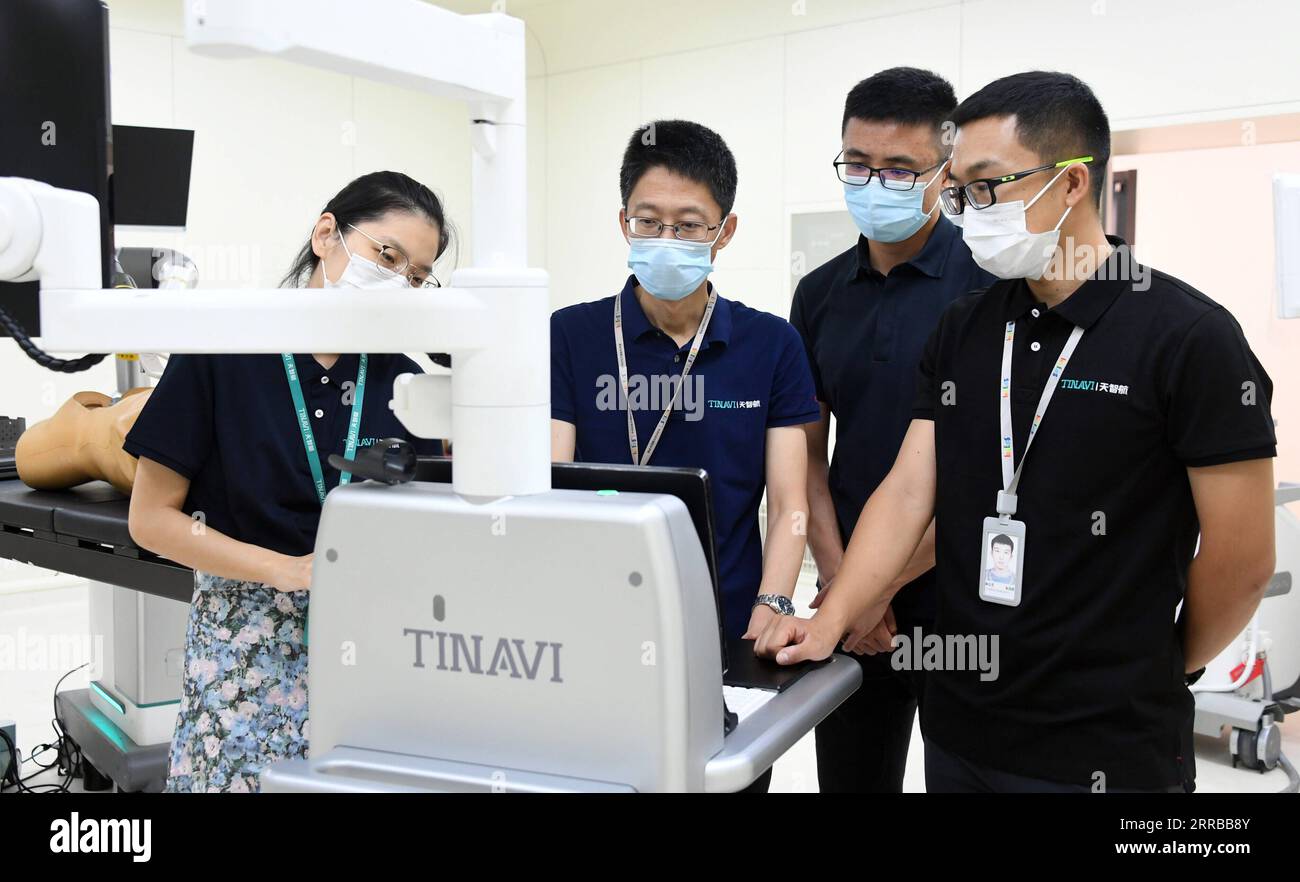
[864, 317]
[1140, 522]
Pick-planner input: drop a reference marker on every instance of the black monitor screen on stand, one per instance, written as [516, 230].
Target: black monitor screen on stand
[151, 176]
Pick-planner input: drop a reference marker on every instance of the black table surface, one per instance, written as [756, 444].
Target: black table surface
[94, 511]
[83, 532]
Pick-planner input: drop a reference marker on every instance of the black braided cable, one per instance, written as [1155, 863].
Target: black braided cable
[44, 359]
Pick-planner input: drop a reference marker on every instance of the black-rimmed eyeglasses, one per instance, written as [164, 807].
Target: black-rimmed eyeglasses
[982, 193]
[858, 174]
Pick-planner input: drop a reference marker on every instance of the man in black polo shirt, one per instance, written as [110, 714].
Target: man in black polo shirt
[864, 317]
[1149, 418]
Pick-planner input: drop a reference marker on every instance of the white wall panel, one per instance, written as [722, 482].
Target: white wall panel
[580, 34]
[736, 91]
[165, 17]
[271, 146]
[141, 82]
[590, 116]
[822, 66]
[1150, 61]
[537, 171]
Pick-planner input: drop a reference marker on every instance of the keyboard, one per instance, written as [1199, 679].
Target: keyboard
[743, 702]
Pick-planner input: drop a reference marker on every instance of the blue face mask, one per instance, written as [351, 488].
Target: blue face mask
[671, 269]
[884, 215]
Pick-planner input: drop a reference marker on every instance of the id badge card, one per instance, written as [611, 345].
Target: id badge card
[1002, 562]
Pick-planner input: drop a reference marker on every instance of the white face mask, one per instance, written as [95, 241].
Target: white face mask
[362, 273]
[1000, 242]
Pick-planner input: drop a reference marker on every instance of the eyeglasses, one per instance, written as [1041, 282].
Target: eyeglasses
[393, 260]
[687, 231]
[982, 193]
[857, 174]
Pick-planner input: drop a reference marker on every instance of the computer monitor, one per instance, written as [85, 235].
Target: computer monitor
[151, 176]
[54, 114]
[691, 486]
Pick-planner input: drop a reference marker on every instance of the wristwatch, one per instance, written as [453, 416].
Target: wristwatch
[780, 605]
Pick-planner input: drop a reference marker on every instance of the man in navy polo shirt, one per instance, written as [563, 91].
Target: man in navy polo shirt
[864, 317]
[709, 382]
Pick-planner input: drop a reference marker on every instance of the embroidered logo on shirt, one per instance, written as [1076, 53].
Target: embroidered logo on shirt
[1094, 386]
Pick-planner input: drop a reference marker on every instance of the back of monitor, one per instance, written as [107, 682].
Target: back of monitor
[564, 634]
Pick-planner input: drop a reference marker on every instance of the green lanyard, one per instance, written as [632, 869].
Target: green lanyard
[304, 422]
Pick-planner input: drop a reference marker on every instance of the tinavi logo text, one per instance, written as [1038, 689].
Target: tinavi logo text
[463, 653]
[1093, 386]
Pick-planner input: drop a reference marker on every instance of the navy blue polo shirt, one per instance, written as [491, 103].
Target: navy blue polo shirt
[865, 334]
[751, 375]
[227, 423]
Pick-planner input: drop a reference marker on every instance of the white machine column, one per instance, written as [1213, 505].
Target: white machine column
[500, 394]
[500, 186]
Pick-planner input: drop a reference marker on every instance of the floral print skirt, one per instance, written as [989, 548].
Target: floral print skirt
[244, 691]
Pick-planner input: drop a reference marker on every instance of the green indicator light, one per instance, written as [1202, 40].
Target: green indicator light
[606, 492]
[117, 705]
[115, 735]
[158, 704]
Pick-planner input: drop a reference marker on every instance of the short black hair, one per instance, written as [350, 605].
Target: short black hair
[902, 94]
[1057, 116]
[1003, 539]
[689, 149]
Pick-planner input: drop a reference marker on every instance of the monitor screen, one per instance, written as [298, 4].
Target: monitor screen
[151, 176]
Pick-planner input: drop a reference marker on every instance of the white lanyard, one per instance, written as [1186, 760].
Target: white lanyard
[1011, 477]
[622, 378]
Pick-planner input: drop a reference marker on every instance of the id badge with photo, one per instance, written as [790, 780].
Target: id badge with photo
[1002, 562]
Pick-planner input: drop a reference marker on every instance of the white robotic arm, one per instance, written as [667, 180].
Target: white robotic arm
[493, 320]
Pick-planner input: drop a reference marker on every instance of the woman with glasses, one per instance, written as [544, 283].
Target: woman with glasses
[233, 470]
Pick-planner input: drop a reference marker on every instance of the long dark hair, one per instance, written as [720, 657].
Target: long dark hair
[369, 197]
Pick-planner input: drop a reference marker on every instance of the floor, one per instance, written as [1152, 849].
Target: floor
[48, 615]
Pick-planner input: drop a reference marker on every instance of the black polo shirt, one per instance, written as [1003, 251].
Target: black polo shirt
[864, 333]
[1091, 663]
[227, 423]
